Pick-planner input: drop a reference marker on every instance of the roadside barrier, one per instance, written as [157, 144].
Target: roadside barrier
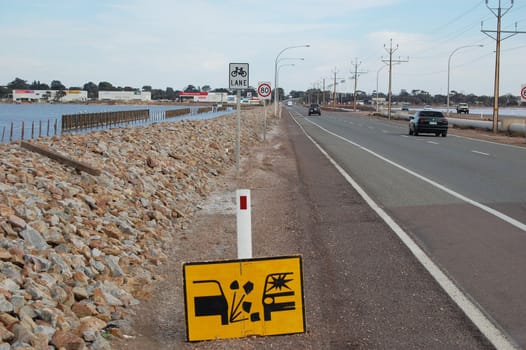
[95, 120]
[177, 112]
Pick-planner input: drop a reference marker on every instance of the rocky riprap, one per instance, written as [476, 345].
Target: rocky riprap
[76, 250]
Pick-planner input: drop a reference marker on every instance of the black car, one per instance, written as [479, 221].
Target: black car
[433, 122]
[314, 109]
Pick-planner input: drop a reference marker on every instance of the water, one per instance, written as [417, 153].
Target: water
[42, 115]
[486, 111]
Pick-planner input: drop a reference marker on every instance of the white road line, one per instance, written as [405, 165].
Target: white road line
[493, 333]
[433, 142]
[487, 209]
[491, 142]
[483, 153]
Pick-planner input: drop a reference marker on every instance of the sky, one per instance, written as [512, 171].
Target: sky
[174, 43]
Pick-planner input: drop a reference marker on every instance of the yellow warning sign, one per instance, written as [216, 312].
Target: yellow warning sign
[239, 298]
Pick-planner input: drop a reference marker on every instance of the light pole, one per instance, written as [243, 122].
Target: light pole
[276, 94]
[277, 80]
[449, 69]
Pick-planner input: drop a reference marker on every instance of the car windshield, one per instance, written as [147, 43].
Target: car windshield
[314, 105]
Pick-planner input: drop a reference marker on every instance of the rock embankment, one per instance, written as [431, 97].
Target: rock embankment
[76, 250]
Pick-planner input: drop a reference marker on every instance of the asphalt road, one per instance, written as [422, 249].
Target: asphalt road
[463, 201]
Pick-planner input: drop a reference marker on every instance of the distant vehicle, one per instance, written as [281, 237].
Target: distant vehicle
[427, 108]
[405, 106]
[462, 108]
[433, 122]
[289, 103]
[315, 109]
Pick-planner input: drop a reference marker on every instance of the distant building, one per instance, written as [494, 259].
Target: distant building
[125, 95]
[50, 95]
[203, 96]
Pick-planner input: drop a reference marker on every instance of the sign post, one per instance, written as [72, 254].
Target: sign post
[244, 224]
[238, 79]
[264, 92]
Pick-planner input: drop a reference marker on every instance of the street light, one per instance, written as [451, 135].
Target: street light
[449, 69]
[276, 94]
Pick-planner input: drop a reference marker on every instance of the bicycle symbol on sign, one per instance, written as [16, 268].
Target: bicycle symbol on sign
[239, 71]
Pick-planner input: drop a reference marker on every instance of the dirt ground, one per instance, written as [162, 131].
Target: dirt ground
[270, 172]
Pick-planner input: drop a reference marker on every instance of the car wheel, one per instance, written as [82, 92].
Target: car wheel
[415, 132]
[437, 134]
[444, 133]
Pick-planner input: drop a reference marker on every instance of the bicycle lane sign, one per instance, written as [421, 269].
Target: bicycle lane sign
[238, 76]
[240, 298]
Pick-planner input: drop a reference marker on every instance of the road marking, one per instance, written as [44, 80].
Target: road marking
[487, 209]
[494, 334]
[483, 153]
[486, 141]
[433, 142]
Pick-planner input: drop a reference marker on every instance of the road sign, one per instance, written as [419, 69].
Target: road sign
[523, 93]
[239, 298]
[238, 76]
[264, 90]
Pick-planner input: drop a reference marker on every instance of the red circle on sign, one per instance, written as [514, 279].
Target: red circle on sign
[523, 92]
[264, 90]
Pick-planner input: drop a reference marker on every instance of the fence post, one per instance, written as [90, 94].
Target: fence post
[23, 127]
[40, 128]
[11, 133]
[55, 126]
[3, 132]
[47, 131]
[32, 130]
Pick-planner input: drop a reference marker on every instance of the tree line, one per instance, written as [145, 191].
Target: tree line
[415, 97]
[93, 89]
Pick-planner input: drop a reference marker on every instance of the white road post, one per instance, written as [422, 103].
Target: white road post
[244, 224]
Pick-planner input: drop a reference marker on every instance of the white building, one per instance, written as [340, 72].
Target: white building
[125, 95]
[50, 95]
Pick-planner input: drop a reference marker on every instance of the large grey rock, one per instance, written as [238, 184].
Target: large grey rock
[5, 306]
[33, 238]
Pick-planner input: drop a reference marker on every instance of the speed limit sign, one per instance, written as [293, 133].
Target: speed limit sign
[264, 90]
[523, 93]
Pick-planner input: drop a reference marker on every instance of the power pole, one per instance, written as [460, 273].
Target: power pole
[498, 12]
[390, 51]
[323, 97]
[334, 87]
[334, 93]
[355, 77]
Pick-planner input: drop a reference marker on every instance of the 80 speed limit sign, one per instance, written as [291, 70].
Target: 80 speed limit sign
[523, 93]
[264, 90]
